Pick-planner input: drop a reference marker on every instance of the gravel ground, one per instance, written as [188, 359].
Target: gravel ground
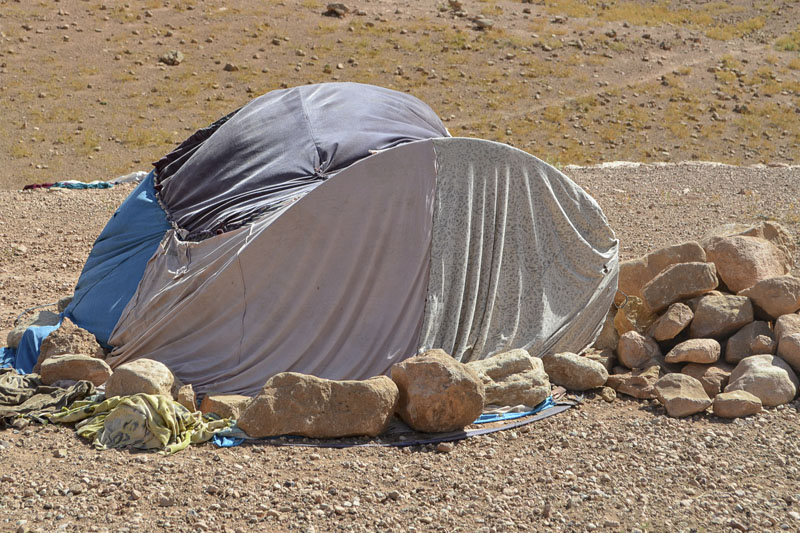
[623, 466]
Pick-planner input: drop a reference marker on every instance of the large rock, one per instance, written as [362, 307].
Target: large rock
[512, 378]
[714, 377]
[635, 274]
[609, 336]
[789, 350]
[681, 395]
[678, 282]
[672, 322]
[41, 318]
[225, 405]
[186, 397]
[637, 383]
[68, 339]
[740, 344]
[142, 376]
[574, 372]
[75, 367]
[637, 351]
[719, 316]
[606, 357]
[437, 393]
[736, 404]
[695, 351]
[743, 261]
[633, 315]
[787, 325]
[771, 231]
[775, 296]
[299, 404]
[768, 377]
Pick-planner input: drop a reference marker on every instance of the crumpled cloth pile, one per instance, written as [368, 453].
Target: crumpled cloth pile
[24, 394]
[142, 421]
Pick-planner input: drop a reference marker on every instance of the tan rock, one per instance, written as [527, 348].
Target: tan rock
[298, 404]
[775, 296]
[637, 383]
[141, 376]
[609, 336]
[736, 404]
[787, 325]
[637, 351]
[186, 397]
[719, 316]
[679, 282]
[41, 318]
[512, 378]
[574, 372]
[768, 377]
[606, 357]
[771, 231]
[74, 367]
[695, 351]
[681, 395]
[635, 274]
[225, 405]
[743, 261]
[789, 350]
[437, 393]
[608, 394]
[633, 316]
[740, 344]
[672, 322]
[763, 344]
[68, 339]
[714, 377]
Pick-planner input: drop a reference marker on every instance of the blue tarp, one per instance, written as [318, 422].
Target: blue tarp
[117, 262]
[28, 350]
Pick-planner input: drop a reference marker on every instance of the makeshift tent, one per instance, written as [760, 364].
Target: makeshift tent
[335, 230]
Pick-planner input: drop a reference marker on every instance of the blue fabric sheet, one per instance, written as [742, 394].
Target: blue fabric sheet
[499, 417]
[117, 262]
[27, 352]
[8, 357]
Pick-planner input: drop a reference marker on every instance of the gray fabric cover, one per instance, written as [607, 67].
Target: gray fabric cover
[332, 284]
[521, 256]
[280, 145]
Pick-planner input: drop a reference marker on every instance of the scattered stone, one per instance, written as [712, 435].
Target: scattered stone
[740, 344]
[41, 318]
[681, 395]
[635, 274]
[172, 58]
[483, 23]
[74, 367]
[68, 339]
[230, 67]
[445, 447]
[789, 350]
[336, 10]
[637, 383]
[437, 393]
[743, 261]
[695, 351]
[775, 296]
[736, 404]
[512, 378]
[299, 404]
[768, 377]
[672, 322]
[574, 372]
[719, 316]
[714, 377]
[608, 394]
[187, 398]
[679, 282]
[141, 376]
[638, 351]
[225, 405]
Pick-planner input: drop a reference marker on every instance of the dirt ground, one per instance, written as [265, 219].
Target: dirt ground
[84, 96]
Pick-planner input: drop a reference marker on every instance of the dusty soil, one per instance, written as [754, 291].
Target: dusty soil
[83, 96]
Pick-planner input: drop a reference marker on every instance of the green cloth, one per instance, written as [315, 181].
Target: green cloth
[143, 421]
[26, 394]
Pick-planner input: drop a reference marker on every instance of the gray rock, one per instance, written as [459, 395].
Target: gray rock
[743, 261]
[637, 351]
[681, 395]
[298, 404]
[172, 58]
[41, 318]
[512, 378]
[775, 296]
[719, 316]
[767, 377]
[740, 344]
[672, 322]
[714, 377]
[75, 367]
[574, 372]
[695, 351]
[437, 393]
[142, 376]
[736, 404]
[679, 282]
[789, 350]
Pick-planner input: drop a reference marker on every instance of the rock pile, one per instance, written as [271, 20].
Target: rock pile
[710, 322]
